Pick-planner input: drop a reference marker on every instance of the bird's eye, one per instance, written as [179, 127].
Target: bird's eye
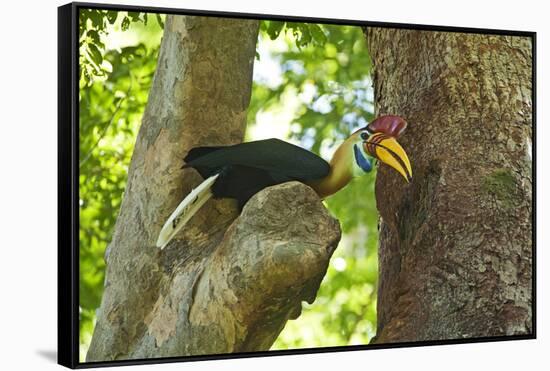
[364, 135]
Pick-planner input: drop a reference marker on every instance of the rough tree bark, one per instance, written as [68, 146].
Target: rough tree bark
[224, 285]
[456, 244]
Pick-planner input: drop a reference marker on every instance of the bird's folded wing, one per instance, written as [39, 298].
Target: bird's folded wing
[270, 155]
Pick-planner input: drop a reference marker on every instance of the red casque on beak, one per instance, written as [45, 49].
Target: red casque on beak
[391, 125]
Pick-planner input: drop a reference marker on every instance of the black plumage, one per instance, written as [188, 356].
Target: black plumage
[247, 168]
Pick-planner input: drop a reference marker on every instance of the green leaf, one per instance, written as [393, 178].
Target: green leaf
[134, 16]
[274, 29]
[159, 20]
[125, 23]
[86, 76]
[112, 15]
[319, 36]
[95, 37]
[96, 17]
[95, 54]
[303, 35]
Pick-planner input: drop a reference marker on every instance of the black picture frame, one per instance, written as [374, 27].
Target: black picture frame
[68, 175]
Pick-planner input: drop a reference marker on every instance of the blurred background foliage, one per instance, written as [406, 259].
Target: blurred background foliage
[311, 87]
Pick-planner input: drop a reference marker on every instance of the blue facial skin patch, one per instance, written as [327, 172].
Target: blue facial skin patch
[361, 160]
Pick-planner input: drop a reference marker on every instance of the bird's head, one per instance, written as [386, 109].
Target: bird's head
[379, 140]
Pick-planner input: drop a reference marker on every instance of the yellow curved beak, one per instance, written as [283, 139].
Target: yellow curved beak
[390, 152]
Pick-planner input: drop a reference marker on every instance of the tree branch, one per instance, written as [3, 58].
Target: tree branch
[270, 259]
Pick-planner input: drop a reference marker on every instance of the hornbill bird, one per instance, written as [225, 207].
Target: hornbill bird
[242, 170]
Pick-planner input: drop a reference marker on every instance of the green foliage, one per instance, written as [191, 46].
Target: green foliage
[93, 25]
[303, 33]
[111, 108]
[332, 64]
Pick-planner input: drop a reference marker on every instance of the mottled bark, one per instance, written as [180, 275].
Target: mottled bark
[455, 244]
[223, 285]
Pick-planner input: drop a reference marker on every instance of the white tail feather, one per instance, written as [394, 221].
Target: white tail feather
[185, 210]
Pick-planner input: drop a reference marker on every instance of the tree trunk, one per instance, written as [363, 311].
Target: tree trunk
[224, 285]
[455, 244]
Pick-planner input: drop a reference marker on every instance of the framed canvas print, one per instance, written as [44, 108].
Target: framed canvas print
[235, 185]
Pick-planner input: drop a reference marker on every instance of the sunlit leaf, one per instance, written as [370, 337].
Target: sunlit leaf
[112, 16]
[274, 28]
[125, 23]
[95, 54]
[317, 33]
[134, 16]
[160, 21]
